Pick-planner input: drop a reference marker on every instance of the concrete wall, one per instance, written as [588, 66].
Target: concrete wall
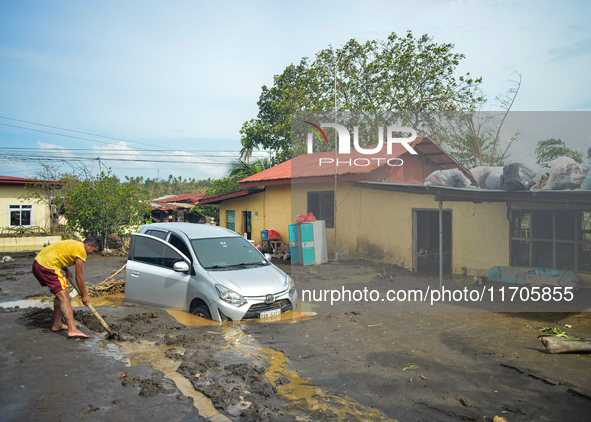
[269, 211]
[378, 225]
[26, 243]
[9, 195]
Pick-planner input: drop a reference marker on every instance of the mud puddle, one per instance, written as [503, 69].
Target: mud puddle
[27, 303]
[306, 400]
[47, 302]
[302, 400]
[302, 312]
[230, 376]
[156, 356]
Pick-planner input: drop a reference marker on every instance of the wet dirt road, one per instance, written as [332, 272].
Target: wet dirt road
[349, 361]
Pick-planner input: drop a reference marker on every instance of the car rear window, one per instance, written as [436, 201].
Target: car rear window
[157, 233]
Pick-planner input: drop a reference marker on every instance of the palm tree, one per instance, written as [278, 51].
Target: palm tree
[240, 168]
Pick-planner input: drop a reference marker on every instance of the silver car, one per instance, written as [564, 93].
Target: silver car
[209, 271]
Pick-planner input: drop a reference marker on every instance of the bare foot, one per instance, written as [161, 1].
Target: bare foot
[77, 334]
[62, 328]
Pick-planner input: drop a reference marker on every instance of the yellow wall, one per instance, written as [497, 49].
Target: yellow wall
[269, 211]
[378, 225]
[9, 195]
[26, 243]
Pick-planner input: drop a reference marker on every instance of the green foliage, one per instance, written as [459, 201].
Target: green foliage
[171, 186]
[103, 205]
[471, 135]
[240, 169]
[207, 210]
[550, 149]
[223, 186]
[402, 80]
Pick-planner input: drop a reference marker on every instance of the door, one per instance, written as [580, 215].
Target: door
[247, 224]
[426, 241]
[150, 277]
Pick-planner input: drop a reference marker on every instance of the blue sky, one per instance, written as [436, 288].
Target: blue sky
[175, 81]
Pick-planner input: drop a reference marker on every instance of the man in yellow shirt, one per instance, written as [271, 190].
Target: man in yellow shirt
[47, 268]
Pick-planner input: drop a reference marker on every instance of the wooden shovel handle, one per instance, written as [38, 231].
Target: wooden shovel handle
[96, 314]
[101, 320]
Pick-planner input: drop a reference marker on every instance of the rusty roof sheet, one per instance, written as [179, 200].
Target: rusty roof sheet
[309, 165]
[189, 198]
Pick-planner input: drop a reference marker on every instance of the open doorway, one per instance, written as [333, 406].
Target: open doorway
[425, 230]
[247, 224]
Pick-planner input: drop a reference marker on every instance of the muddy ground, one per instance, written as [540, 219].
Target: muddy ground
[359, 360]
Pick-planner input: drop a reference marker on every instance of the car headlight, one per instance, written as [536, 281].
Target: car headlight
[290, 286]
[229, 296]
[288, 283]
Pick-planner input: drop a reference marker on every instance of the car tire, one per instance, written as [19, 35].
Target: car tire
[201, 311]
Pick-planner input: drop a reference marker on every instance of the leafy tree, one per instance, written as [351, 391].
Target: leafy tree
[103, 205]
[473, 136]
[223, 186]
[549, 149]
[206, 210]
[402, 80]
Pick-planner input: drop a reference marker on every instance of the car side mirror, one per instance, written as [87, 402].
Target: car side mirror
[181, 267]
[268, 256]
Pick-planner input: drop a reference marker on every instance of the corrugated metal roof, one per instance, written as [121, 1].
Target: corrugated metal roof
[237, 194]
[355, 165]
[9, 180]
[189, 198]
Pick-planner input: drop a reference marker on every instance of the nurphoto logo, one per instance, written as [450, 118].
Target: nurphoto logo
[344, 144]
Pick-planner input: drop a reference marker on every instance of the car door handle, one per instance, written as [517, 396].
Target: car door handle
[135, 273]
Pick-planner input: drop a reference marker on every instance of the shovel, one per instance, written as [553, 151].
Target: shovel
[110, 335]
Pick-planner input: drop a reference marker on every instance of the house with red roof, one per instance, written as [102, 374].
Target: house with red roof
[18, 214]
[378, 207]
[325, 184]
[172, 208]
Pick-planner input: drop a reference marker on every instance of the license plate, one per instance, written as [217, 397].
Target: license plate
[270, 313]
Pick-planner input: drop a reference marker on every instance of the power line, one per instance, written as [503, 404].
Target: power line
[70, 130]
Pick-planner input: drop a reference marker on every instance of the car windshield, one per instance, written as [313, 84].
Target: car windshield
[226, 252]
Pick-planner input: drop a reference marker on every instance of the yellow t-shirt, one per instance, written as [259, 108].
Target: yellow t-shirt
[61, 254]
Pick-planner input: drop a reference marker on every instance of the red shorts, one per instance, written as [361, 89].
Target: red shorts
[54, 279]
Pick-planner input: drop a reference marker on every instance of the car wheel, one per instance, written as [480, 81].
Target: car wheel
[201, 311]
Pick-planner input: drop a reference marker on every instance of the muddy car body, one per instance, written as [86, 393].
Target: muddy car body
[206, 270]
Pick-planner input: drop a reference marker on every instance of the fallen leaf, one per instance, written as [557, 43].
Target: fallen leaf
[423, 377]
[500, 419]
[411, 367]
[123, 375]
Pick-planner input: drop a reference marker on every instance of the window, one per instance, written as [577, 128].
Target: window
[157, 233]
[231, 219]
[20, 215]
[178, 243]
[226, 252]
[321, 204]
[551, 239]
[155, 252]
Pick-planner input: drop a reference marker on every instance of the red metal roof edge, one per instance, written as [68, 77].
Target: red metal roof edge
[10, 180]
[232, 195]
[182, 197]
